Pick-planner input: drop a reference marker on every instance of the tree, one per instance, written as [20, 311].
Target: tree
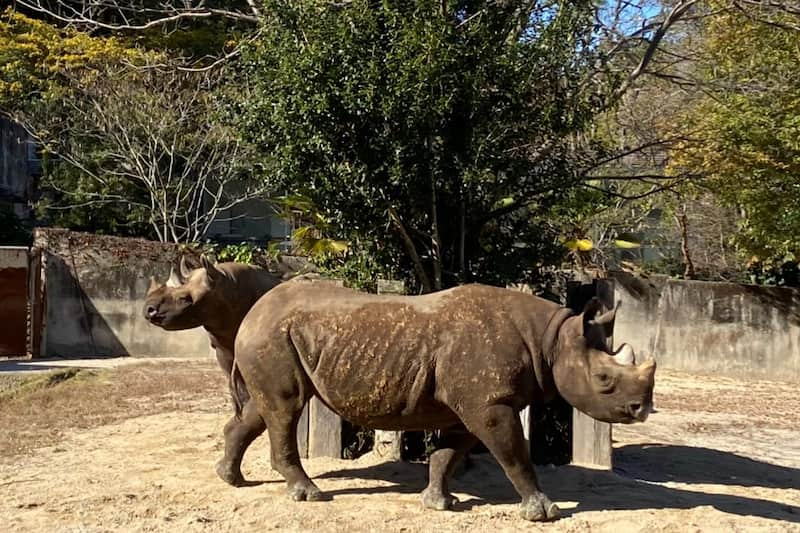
[146, 140]
[133, 144]
[442, 131]
[747, 129]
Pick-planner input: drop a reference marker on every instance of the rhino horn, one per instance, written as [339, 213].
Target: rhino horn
[184, 268]
[174, 280]
[154, 285]
[648, 368]
[625, 355]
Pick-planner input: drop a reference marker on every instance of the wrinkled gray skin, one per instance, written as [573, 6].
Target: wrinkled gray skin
[216, 297]
[464, 361]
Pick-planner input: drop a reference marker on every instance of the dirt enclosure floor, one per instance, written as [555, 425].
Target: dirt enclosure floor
[133, 449]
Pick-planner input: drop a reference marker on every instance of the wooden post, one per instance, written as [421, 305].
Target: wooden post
[389, 444]
[525, 417]
[591, 439]
[319, 430]
[302, 432]
[324, 431]
[35, 303]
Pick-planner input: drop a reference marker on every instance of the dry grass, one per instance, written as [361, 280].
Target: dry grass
[36, 411]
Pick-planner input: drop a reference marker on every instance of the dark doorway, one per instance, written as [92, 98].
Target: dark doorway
[13, 301]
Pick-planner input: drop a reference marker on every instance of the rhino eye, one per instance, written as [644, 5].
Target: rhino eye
[186, 299]
[604, 381]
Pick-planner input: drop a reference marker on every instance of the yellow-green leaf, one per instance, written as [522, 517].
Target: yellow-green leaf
[620, 243]
[582, 245]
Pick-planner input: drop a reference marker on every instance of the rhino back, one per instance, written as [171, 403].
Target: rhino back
[401, 362]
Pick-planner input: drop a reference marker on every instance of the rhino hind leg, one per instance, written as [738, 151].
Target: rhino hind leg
[239, 434]
[499, 428]
[282, 428]
[454, 443]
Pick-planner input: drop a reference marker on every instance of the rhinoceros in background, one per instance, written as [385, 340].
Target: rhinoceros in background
[216, 297]
[464, 361]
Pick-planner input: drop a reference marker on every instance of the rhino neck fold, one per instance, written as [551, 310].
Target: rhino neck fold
[550, 336]
[544, 356]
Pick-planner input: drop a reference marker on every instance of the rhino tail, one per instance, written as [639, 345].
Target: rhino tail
[239, 393]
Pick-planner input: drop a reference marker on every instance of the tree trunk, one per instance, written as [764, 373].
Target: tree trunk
[462, 238]
[412, 251]
[436, 251]
[681, 219]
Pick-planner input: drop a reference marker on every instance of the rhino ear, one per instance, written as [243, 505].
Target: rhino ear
[598, 323]
[606, 320]
[185, 270]
[590, 311]
[214, 274]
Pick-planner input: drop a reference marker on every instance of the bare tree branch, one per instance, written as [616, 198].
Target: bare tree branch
[675, 14]
[154, 130]
[88, 13]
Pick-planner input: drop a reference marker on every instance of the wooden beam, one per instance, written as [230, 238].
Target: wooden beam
[324, 431]
[591, 441]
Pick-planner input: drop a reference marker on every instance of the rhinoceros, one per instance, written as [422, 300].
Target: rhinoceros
[216, 297]
[464, 361]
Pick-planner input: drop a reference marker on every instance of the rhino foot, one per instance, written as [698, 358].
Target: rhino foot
[437, 500]
[305, 492]
[539, 508]
[230, 476]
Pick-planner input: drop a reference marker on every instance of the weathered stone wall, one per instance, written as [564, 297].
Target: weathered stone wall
[729, 329]
[94, 293]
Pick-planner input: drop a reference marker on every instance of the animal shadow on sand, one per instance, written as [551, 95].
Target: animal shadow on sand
[633, 486]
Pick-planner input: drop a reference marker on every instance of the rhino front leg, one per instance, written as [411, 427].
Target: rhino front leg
[499, 428]
[239, 434]
[454, 443]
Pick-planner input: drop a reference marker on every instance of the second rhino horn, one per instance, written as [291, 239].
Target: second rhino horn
[174, 280]
[185, 270]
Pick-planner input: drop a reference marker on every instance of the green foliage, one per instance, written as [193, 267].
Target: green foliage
[243, 252]
[360, 266]
[749, 126]
[311, 235]
[455, 117]
[72, 199]
[36, 58]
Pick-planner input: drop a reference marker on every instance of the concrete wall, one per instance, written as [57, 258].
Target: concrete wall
[722, 328]
[94, 291]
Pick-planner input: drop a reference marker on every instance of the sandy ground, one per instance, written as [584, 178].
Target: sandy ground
[718, 455]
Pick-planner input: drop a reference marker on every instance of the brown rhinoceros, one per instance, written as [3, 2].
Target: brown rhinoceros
[216, 297]
[464, 361]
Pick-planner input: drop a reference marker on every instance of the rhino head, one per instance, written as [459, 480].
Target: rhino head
[608, 386]
[187, 300]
